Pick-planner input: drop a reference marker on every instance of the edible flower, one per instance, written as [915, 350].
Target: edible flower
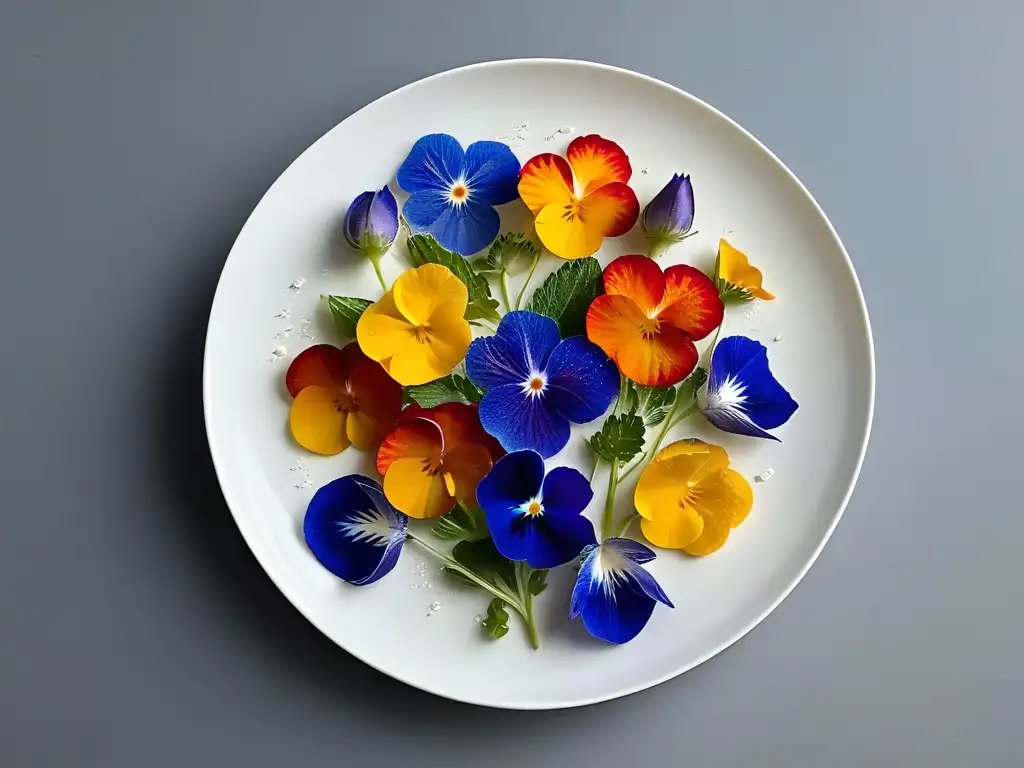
[534, 517]
[535, 384]
[613, 594]
[668, 217]
[353, 531]
[647, 320]
[435, 457]
[371, 223]
[742, 396]
[689, 499]
[737, 279]
[581, 199]
[453, 192]
[417, 331]
[342, 398]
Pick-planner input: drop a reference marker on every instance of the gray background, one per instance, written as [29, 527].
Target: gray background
[135, 627]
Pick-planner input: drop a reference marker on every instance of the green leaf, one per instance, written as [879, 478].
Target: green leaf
[510, 253]
[447, 389]
[538, 582]
[458, 577]
[620, 439]
[565, 295]
[483, 558]
[652, 404]
[693, 382]
[424, 249]
[346, 312]
[496, 622]
[461, 523]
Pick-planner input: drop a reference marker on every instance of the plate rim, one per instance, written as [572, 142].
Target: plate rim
[567, 703]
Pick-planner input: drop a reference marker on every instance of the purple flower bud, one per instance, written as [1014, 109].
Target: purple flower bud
[668, 217]
[371, 223]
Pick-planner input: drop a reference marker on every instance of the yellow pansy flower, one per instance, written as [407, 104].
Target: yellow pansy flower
[689, 499]
[417, 331]
[735, 276]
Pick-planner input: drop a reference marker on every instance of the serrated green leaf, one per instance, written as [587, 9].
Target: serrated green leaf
[495, 625]
[510, 253]
[483, 558]
[620, 439]
[538, 582]
[566, 294]
[652, 404]
[461, 523]
[424, 249]
[447, 389]
[346, 312]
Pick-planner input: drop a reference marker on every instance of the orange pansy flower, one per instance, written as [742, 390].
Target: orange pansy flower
[648, 320]
[435, 457]
[342, 398]
[579, 200]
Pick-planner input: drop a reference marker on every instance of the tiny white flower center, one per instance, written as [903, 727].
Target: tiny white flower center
[459, 193]
[535, 384]
[533, 507]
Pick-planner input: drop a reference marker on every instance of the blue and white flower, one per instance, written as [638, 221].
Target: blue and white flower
[534, 517]
[353, 530]
[742, 396]
[613, 593]
[536, 385]
[453, 191]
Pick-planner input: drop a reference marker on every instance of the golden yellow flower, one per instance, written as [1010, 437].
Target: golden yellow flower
[417, 331]
[735, 276]
[689, 499]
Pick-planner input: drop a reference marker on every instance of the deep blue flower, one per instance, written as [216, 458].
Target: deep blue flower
[742, 395]
[353, 530]
[536, 518]
[668, 217]
[371, 222]
[535, 385]
[453, 192]
[613, 593]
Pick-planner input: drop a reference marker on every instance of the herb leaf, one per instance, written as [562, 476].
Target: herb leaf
[620, 439]
[510, 253]
[346, 312]
[565, 295]
[448, 389]
[483, 558]
[461, 523]
[424, 249]
[496, 623]
[652, 404]
[538, 581]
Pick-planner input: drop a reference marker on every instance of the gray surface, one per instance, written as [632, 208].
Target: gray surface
[136, 627]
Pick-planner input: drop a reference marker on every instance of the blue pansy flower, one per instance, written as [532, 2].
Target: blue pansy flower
[613, 593]
[453, 192]
[742, 396]
[353, 530]
[535, 384]
[534, 517]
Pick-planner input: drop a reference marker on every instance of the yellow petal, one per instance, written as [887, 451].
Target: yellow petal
[715, 534]
[673, 527]
[316, 422]
[723, 500]
[566, 234]
[382, 329]
[415, 491]
[695, 459]
[422, 291]
[449, 335]
[362, 432]
[734, 268]
[545, 179]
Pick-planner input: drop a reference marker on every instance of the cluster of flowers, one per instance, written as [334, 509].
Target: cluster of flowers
[481, 415]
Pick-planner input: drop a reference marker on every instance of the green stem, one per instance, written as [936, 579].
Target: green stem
[531, 627]
[454, 564]
[608, 519]
[504, 290]
[666, 426]
[625, 525]
[529, 277]
[593, 472]
[380, 275]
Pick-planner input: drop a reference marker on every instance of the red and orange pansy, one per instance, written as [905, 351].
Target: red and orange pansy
[579, 200]
[647, 320]
[342, 398]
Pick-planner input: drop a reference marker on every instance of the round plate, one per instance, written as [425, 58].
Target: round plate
[267, 309]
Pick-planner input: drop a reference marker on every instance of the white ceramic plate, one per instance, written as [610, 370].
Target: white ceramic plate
[742, 192]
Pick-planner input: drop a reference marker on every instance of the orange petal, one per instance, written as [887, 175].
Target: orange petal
[544, 180]
[691, 301]
[466, 464]
[322, 365]
[316, 421]
[416, 491]
[375, 394]
[567, 234]
[637, 277]
[647, 351]
[459, 423]
[613, 208]
[411, 439]
[596, 161]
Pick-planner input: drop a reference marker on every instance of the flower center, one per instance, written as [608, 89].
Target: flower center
[458, 193]
[536, 383]
[534, 386]
[345, 402]
[649, 328]
[534, 508]
[423, 333]
[572, 209]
